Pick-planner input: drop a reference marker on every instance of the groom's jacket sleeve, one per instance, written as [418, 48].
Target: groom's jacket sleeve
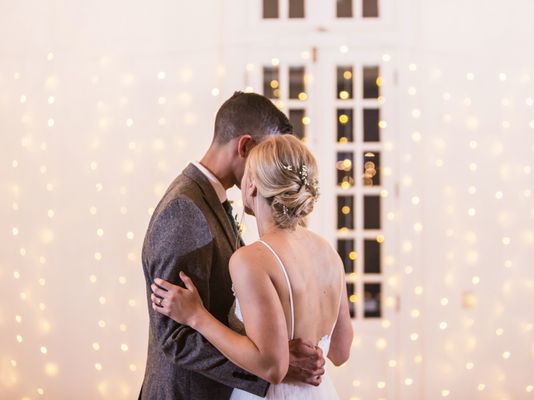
[180, 240]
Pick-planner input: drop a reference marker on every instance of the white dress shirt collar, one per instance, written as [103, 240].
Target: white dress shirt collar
[217, 185]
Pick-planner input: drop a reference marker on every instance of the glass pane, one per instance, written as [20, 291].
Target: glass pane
[345, 248]
[344, 125]
[371, 168]
[344, 82]
[371, 131]
[296, 83]
[371, 253]
[344, 8]
[296, 8]
[371, 82]
[345, 170]
[352, 298]
[270, 8]
[370, 9]
[345, 212]
[271, 82]
[371, 212]
[372, 301]
[298, 119]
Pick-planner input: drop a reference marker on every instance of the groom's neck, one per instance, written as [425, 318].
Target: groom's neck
[218, 160]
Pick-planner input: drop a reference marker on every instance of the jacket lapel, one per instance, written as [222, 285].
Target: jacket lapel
[211, 198]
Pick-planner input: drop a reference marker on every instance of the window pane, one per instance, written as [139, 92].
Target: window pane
[345, 248]
[296, 83]
[344, 82]
[371, 131]
[271, 82]
[370, 9]
[371, 253]
[296, 8]
[371, 168]
[371, 82]
[352, 298]
[344, 125]
[297, 118]
[270, 8]
[345, 212]
[371, 212]
[345, 170]
[372, 300]
[344, 8]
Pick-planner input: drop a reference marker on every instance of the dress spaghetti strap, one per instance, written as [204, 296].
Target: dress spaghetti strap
[291, 306]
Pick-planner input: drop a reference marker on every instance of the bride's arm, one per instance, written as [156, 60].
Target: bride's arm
[264, 352]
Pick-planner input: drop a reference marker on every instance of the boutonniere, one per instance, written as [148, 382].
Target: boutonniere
[239, 225]
[238, 221]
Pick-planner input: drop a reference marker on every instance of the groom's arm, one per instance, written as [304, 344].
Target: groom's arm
[180, 240]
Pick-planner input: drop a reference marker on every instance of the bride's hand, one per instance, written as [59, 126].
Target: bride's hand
[182, 305]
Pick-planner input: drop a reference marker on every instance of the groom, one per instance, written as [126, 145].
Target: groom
[193, 230]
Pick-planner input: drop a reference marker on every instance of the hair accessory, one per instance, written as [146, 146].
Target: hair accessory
[285, 210]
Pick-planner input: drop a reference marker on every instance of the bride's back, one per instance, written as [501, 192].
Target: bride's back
[315, 274]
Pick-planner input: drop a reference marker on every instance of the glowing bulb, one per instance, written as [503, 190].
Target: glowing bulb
[102, 324]
[44, 350]
[408, 381]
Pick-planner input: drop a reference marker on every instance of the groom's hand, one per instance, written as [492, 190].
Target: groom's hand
[306, 362]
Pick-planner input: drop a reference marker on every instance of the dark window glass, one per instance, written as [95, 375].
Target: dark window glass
[345, 169]
[345, 248]
[270, 8]
[344, 82]
[370, 9]
[344, 125]
[371, 131]
[371, 210]
[271, 82]
[371, 257]
[371, 82]
[372, 303]
[296, 8]
[296, 117]
[345, 212]
[296, 83]
[352, 299]
[371, 168]
[344, 8]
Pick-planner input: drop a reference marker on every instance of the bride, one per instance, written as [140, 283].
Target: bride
[289, 284]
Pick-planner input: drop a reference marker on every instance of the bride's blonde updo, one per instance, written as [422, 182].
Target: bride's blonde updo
[285, 173]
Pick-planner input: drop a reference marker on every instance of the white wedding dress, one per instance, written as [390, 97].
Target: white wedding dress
[293, 390]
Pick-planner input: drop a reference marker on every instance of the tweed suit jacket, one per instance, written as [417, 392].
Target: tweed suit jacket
[189, 231]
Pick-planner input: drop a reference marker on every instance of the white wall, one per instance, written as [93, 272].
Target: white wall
[101, 63]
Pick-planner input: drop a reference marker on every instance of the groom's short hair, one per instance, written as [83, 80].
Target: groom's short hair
[249, 113]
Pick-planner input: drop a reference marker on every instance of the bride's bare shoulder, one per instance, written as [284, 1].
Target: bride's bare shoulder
[247, 255]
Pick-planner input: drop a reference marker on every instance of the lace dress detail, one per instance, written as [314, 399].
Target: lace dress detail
[293, 390]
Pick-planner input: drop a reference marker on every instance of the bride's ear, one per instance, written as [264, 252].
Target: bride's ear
[253, 190]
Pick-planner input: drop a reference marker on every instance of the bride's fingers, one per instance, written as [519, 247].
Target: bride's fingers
[187, 282]
[165, 285]
[158, 291]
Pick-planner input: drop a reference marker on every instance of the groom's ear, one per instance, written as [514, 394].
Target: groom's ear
[244, 145]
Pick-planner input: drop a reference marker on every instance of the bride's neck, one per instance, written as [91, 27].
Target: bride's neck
[264, 219]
